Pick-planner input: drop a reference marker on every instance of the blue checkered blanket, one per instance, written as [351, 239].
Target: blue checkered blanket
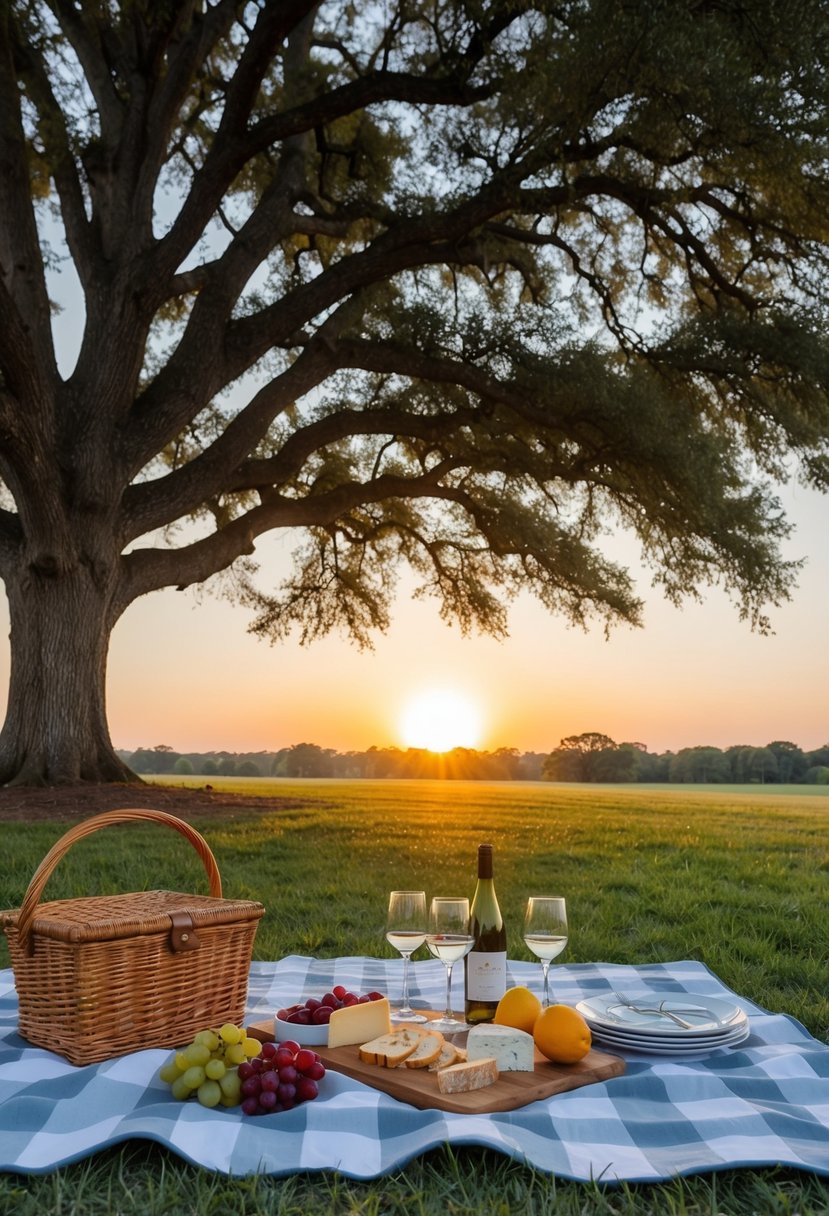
[765, 1102]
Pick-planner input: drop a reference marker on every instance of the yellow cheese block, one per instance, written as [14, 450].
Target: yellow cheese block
[359, 1023]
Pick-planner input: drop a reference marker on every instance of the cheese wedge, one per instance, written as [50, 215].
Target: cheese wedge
[359, 1023]
[513, 1050]
[472, 1074]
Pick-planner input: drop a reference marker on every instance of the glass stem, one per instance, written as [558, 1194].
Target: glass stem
[545, 1000]
[404, 1006]
[449, 990]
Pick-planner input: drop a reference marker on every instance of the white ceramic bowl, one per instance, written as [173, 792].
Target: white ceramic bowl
[306, 1036]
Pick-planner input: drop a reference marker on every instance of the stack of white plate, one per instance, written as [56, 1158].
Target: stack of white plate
[688, 1024]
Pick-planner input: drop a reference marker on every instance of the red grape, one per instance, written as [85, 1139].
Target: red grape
[304, 1059]
[270, 1081]
[306, 1089]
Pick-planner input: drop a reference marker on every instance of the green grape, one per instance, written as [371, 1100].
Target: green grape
[169, 1072]
[231, 1088]
[196, 1053]
[180, 1089]
[209, 1093]
[181, 1063]
[235, 1053]
[251, 1048]
[215, 1069]
[230, 1033]
[208, 1038]
[194, 1076]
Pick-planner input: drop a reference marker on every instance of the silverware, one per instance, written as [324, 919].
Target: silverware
[659, 1011]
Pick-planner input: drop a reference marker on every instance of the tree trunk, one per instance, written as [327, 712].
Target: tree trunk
[56, 728]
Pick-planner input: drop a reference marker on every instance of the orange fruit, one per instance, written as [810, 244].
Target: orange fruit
[561, 1034]
[518, 1008]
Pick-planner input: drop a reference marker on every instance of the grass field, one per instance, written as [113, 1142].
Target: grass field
[736, 877]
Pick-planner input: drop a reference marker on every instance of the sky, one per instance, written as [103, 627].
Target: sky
[185, 672]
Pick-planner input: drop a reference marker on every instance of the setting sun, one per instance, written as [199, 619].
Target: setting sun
[439, 720]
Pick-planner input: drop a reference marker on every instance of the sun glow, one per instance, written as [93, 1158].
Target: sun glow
[439, 720]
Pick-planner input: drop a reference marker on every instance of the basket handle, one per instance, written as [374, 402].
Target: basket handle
[128, 815]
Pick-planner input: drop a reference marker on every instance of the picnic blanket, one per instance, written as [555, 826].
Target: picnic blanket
[765, 1102]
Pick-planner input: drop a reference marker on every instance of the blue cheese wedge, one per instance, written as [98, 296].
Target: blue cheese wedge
[512, 1050]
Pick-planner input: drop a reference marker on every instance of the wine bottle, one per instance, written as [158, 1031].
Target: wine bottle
[485, 966]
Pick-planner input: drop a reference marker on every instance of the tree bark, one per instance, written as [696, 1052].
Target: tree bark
[56, 728]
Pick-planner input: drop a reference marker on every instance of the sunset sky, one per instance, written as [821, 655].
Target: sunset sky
[184, 671]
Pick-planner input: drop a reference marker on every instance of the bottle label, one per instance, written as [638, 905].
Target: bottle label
[486, 975]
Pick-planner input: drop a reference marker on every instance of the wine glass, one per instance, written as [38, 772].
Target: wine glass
[449, 940]
[545, 933]
[405, 932]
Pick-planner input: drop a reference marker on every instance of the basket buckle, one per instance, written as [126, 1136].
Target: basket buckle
[182, 934]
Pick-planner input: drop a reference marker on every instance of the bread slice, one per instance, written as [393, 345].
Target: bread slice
[389, 1050]
[472, 1074]
[427, 1051]
[449, 1054]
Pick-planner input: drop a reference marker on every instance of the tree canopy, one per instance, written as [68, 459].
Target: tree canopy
[463, 285]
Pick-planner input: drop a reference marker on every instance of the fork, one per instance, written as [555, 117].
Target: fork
[660, 1011]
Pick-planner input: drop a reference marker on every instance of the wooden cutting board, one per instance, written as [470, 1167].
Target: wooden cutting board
[419, 1087]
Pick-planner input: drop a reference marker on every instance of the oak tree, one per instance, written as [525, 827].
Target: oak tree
[458, 284]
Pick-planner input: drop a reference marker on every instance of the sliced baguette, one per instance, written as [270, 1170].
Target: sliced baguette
[427, 1051]
[449, 1054]
[389, 1050]
[472, 1074]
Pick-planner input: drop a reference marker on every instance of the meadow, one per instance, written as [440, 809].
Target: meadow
[734, 876]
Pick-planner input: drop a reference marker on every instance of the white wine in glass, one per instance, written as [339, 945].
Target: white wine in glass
[449, 940]
[545, 933]
[405, 933]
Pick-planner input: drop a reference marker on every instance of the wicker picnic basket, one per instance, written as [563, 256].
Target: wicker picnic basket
[103, 975]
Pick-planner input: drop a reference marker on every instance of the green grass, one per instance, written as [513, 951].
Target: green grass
[736, 878]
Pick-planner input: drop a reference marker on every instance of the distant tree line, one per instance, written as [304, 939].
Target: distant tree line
[587, 757]
[595, 757]
[310, 760]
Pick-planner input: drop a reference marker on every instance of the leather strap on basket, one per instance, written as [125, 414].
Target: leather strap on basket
[86, 828]
[182, 935]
